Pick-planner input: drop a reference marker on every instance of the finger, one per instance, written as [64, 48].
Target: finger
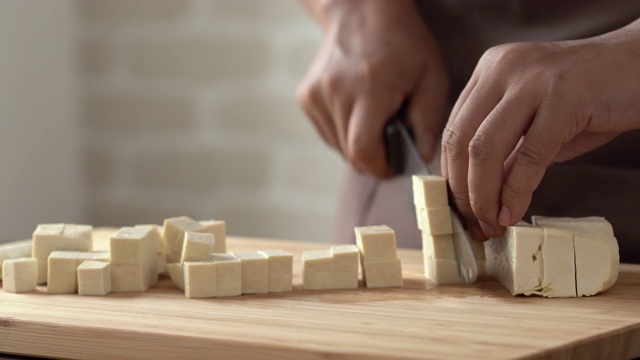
[427, 114]
[341, 107]
[313, 106]
[492, 144]
[583, 143]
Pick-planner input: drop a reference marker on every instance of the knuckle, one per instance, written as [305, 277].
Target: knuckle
[452, 140]
[481, 148]
[305, 95]
[332, 84]
[530, 155]
[359, 150]
[514, 189]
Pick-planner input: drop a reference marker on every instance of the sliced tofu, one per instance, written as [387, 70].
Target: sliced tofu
[134, 259]
[176, 273]
[218, 229]
[19, 275]
[379, 274]
[197, 246]
[442, 271]
[94, 278]
[376, 243]
[429, 191]
[229, 275]
[435, 221]
[15, 250]
[173, 235]
[200, 280]
[62, 276]
[346, 259]
[280, 270]
[132, 278]
[438, 246]
[255, 272]
[317, 271]
[48, 238]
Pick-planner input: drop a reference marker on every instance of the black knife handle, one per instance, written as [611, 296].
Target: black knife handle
[394, 145]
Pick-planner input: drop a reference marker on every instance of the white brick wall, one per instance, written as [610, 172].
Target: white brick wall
[189, 109]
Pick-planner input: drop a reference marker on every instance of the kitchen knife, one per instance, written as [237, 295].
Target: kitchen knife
[404, 159]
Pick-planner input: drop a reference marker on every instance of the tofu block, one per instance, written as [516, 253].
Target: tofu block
[19, 275]
[435, 221]
[344, 272]
[158, 235]
[438, 246]
[317, 266]
[176, 273]
[376, 243]
[219, 230]
[16, 250]
[173, 235]
[255, 272]
[62, 276]
[442, 271]
[229, 274]
[558, 262]
[130, 246]
[48, 238]
[132, 277]
[597, 263]
[94, 278]
[200, 280]
[280, 270]
[101, 255]
[197, 246]
[379, 274]
[429, 191]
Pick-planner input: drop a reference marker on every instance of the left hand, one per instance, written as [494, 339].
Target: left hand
[528, 105]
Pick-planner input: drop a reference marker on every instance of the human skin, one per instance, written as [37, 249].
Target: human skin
[529, 105]
[376, 54]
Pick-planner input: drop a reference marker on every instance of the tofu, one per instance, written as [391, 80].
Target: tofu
[376, 243]
[379, 274]
[101, 255]
[158, 235]
[162, 262]
[344, 273]
[19, 275]
[132, 277]
[255, 272]
[219, 230]
[48, 238]
[429, 191]
[280, 277]
[435, 221]
[438, 246]
[94, 278]
[229, 275]
[176, 273]
[478, 249]
[15, 250]
[317, 266]
[61, 276]
[442, 271]
[134, 259]
[197, 246]
[200, 279]
[558, 262]
[173, 235]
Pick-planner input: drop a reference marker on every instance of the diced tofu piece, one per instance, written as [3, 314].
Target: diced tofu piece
[442, 271]
[62, 277]
[200, 280]
[15, 250]
[219, 230]
[162, 261]
[280, 270]
[376, 243]
[317, 266]
[94, 278]
[346, 259]
[386, 273]
[429, 191]
[19, 275]
[100, 255]
[176, 273]
[173, 235]
[438, 246]
[229, 274]
[132, 277]
[597, 263]
[435, 221]
[255, 272]
[158, 235]
[131, 245]
[197, 246]
[515, 259]
[48, 238]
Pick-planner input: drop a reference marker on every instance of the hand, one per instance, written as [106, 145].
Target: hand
[529, 105]
[376, 54]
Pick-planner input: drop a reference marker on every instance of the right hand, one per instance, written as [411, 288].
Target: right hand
[376, 54]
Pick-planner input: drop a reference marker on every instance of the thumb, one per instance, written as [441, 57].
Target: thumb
[427, 114]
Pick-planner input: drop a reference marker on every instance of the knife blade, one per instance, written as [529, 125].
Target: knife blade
[404, 159]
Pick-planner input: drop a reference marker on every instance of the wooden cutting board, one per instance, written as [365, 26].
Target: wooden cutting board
[420, 320]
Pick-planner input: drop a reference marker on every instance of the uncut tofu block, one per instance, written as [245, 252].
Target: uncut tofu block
[62, 277]
[376, 243]
[344, 272]
[20, 249]
[197, 246]
[19, 275]
[229, 274]
[442, 271]
[280, 270]
[200, 280]
[173, 231]
[132, 277]
[435, 221]
[429, 191]
[379, 274]
[219, 230]
[94, 278]
[48, 238]
[255, 272]
[317, 266]
[176, 273]
[438, 246]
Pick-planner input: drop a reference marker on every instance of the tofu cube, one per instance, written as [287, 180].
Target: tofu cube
[200, 280]
[173, 235]
[376, 243]
[19, 275]
[438, 246]
[385, 273]
[176, 273]
[219, 230]
[61, 276]
[101, 255]
[15, 250]
[130, 245]
[157, 235]
[94, 278]
[162, 262]
[197, 246]
[229, 274]
[435, 221]
[132, 277]
[442, 271]
[280, 270]
[429, 191]
[317, 270]
[346, 259]
[48, 238]
[255, 272]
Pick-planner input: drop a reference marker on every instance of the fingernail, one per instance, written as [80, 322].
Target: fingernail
[488, 230]
[505, 216]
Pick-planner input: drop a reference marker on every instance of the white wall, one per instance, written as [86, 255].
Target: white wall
[39, 132]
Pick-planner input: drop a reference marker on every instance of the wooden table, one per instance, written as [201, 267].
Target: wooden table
[420, 320]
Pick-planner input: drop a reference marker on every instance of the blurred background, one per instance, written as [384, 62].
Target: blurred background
[117, 112]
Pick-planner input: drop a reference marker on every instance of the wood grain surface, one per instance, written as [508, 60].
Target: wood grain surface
[420, 320]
